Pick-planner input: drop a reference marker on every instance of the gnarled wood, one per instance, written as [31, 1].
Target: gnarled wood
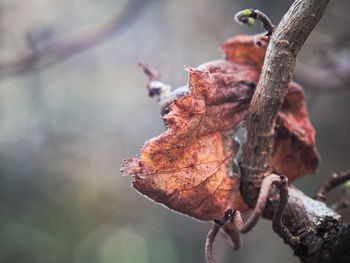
[319, 233]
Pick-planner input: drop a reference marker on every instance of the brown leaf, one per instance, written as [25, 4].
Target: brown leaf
[188, 167]
[241, 49]
[295, 153]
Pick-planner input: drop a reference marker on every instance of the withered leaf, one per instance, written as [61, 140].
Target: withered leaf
[241, 49]
[295, 153]
[188, 167]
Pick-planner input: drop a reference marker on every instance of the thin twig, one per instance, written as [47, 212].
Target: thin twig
[265, 190]
[342, 41]
[164, 92]
[248, 17]
[149, 71]
[282, 182]
[277, 223]
[227, 218]
[210, 242]
[231, 231]
[331, 79]
[154, 86]
[336, 180]
[232, 220]
[344, 202]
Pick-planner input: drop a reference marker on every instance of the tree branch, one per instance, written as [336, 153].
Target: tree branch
[57, 52]
[318, 232]
[330, 79]
[336, 180]
[281, 53]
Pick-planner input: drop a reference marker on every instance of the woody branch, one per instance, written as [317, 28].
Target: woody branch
[304, 217]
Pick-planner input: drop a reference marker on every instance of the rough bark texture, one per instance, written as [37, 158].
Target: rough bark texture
[270, 93]
[319, 233]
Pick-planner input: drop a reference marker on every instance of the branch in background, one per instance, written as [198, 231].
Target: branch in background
[343, 40]
[332, 74]
[324, 79]
[344, 202]
[57, 52]
[336, 180]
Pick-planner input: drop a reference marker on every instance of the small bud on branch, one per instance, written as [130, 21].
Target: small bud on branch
[248, 17]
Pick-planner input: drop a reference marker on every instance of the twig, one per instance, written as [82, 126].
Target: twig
[332, 73]
[265, 190]
[227, 218]
[233, 218]
[342, 40]
[320, 79]
[61, 50]
[344, 202]
[210, 242]
[248, 17]
[336, 180]
[231, 231]
[156, 88]
[149, 71]
[277, 223]
[282, 182]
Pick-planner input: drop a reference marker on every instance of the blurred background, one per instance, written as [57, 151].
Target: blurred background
[73, 104]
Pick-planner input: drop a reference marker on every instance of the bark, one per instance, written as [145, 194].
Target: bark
[319, 234]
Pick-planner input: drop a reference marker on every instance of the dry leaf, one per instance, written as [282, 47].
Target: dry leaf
[295, 152]
[188, 167]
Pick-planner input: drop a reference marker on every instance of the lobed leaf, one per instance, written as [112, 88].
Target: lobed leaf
[188, 168]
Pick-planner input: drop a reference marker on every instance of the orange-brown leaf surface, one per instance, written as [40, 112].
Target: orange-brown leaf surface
[295, 153]
[188, 167]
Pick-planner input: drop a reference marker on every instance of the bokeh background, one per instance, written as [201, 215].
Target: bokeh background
[73, 104]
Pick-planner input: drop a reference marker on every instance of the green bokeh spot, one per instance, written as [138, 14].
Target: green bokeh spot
[246, 12]
[347, 183]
